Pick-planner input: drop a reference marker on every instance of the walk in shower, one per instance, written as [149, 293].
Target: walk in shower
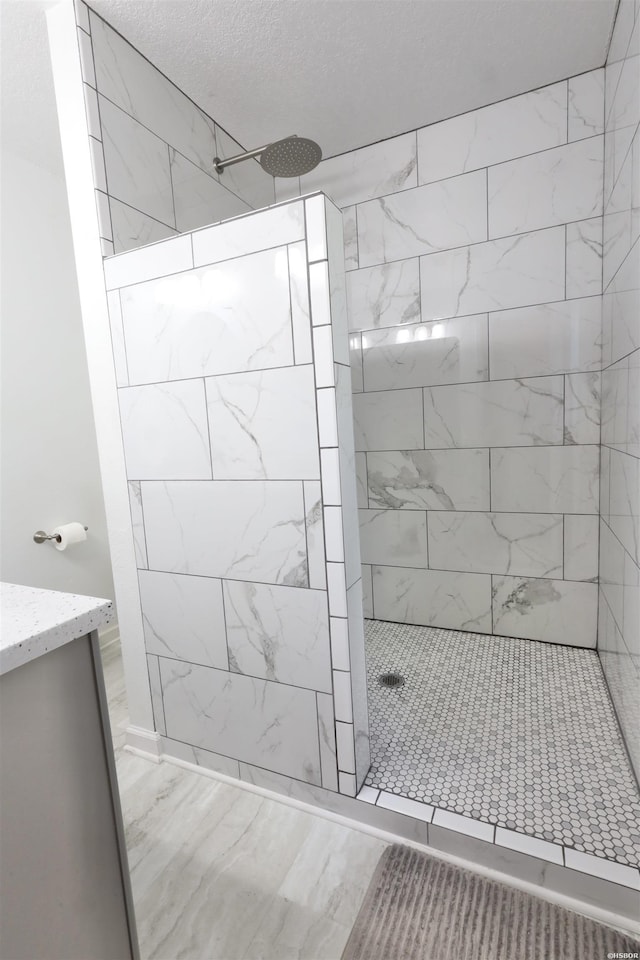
[447, 351]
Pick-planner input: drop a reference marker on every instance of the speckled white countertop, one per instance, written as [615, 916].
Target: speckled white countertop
[34, 621]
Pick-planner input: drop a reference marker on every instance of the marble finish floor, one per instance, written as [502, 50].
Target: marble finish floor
[516, 733]
[219, 873]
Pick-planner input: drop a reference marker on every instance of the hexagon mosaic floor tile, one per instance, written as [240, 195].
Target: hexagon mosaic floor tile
[517, 733]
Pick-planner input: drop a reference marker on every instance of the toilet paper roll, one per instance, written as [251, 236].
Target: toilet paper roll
[69, 534]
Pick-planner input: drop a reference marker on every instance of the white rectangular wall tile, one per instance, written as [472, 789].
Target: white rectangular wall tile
[542, 849]
[346, 751]
[545, 479]
[319, 290]
[350, 227]
[546, 339]
[384, 295]
[511, 128]
[117, 338]
[278, 633]
[342, 696]
[545, 189]
[502, 412]
[155, 684]
[326, 731]
[597, 867]
[337, 587]
[104, 215]
[361, 480]
[314, 527]
[372, 171]
[419, 355]
[263, 425]
[177, 327]
[333, 534]
[340, 643]
[165, 432]
[137, 524]
[581, 547]
[586, 105]
[348, 481]
[511, 272]
[410, 808]
[255, 721]
[137, 164]
[556, 611]
[316, 228]
[82, 15]
[199, 197]
[519, 544]
[384, 421]
[93, 113]
[132, 229]
[584, 258]
[97, 164]
[355, 361]
[300, 310]
[257, 527]
[367, 590]
[327, 417]
[428, 479]
[395, 537]
[438, 216]
[582, 408]
[330, 477]
[158, 260]
[245, 235]
[323, 356]
[472, 828]
[183, 618]
[459, 601]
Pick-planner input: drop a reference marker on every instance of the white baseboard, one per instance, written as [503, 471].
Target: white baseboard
[144, 743]
[618, 922]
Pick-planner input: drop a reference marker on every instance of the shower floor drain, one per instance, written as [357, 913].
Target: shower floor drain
[391, 680]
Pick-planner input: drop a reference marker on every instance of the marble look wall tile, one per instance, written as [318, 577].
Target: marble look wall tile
[201, 758]
[198, 197]
[361, 480]
[137, 525]
[342, 696]
[316, 228]
[388, 421]
[327, 734]
[97, 164]
[104, 215]
[253, 419]
[330, 466]
[333, 534]
[165, 433]
[545, 189]
[255, 721]
[615, 404]
[337, 589]
[86, 58]
[244, 235]
[359, 702]
[512, 272]
[499, 413]
[137, 164]
[257, 528]
[133, 83]
[183, 618]
[346, 750]
[621, 310]
[428, 479]
[92, 111]
[340, 643]
[546, 339]
[419, 355]
[180, 326]
[300, 309]
[147, 263]
[581, 548]
[319, 293]
[624, 517]
[278, 633]
[515, 543]
[247, 180]
[555, 611]
[117, 338]
[367, 590]
[82, 15]
[584, 258]
[611, 569]
[327, 417]
[511, 128]
[355, 362]
[373, 171]
[153, 666]
[631, 609]
[586, 105]
[337, 282]
[384, 296]
[545, 479]
[132, 229]
[460, 601]
[323, 356]
[107, 248]
[438, 216]
[394, 537]
[616, 234]
[350, 228]
[582, 408]
[348, 483]
[622, 30]
[314, 527]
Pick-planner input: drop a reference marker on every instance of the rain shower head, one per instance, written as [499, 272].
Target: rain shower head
[291, 157]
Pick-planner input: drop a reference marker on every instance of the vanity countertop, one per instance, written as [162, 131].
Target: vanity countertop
[34, 621]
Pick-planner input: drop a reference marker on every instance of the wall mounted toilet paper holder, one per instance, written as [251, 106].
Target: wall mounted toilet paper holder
[40, 536]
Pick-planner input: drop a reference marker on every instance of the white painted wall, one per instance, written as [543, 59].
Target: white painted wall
[49, 461]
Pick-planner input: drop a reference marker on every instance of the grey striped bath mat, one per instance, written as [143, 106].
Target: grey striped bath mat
[420, 908]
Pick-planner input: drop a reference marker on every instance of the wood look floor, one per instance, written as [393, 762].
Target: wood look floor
[222, 874]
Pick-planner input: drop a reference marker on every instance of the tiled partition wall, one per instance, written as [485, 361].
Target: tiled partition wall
[236, 417]
[473, 250]
[619, 614]
[153, 148]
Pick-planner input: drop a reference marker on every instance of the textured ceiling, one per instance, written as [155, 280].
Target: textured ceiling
[344, 72]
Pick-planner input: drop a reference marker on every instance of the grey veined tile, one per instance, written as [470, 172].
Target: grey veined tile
[428, 479]
[384, 296]
[556, 611]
